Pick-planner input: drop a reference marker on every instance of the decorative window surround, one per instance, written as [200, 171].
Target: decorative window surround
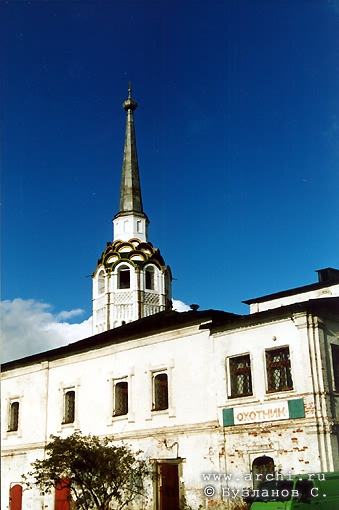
[63, 390]
[152, 371]
[10, 430]
[113, 379]
[278, 370]
[239, 370]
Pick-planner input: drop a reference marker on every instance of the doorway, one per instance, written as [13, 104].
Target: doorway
[16, 497]
[168, 486]
[62, 496]
[261, 467]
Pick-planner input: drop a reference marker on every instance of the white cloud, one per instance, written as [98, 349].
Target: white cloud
[29, 327]
[69, 314]
[180, 306]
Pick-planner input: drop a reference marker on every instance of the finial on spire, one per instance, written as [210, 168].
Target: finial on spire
[129, 104]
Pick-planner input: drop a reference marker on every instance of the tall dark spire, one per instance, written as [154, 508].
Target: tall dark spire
[130, 192]
[130, 261]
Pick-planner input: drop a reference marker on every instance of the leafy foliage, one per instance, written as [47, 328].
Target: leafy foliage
[99, 475]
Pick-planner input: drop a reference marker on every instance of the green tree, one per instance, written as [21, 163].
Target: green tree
[99, 475]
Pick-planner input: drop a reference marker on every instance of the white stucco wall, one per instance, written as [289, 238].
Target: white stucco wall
[191, 430]
[296, 445]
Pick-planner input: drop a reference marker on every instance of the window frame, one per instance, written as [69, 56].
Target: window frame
[335, 368]
[13, 416]
[124, 285]
[160, 391]
[101, 282]
[150, 278]
[66, 403]
[284, 366]
[123, 412]
[234, 372]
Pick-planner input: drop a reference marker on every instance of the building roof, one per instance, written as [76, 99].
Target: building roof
[323, 307]
[160, 322]
[327, 277]
[214, 320]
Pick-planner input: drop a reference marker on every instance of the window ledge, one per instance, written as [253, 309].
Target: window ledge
[67, 425]
[160, 411]
[120, 417]
[12, 434]
[241, 400]
[284, 390]
[234, 397]
[274, 395]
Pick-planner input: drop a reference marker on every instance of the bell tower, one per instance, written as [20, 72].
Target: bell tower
[131, 279]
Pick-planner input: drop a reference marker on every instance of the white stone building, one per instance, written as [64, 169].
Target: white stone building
[203, 393]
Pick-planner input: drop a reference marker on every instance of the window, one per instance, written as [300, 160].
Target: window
[69, 406]
[101, 282]
[278, 366]
[124, 278]
[335, 364]
[240, 376]
[120, 398]
[149, 276]
[160, 392]
[13, 424]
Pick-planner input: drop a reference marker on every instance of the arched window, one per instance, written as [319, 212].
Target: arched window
[69, 410]
[13, 417]
[101, 282]
[261, 467]
[124, 278]
[149, 278]
[160, 390]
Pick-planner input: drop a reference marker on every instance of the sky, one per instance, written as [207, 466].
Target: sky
[237, 134]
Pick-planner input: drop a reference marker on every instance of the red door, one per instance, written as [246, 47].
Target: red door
[169, 488]
[62, 496]
[16, 497]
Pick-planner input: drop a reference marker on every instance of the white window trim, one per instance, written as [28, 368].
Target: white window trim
[228, 378]
[151, 373]
[335, 390]
[63, 389]
[156, 273]
[112, 380]
[101, 274]
[123, 266]
[10, 400]
[114, 384]
[273, 394]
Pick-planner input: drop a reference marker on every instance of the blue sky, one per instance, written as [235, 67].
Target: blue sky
[237, 134]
